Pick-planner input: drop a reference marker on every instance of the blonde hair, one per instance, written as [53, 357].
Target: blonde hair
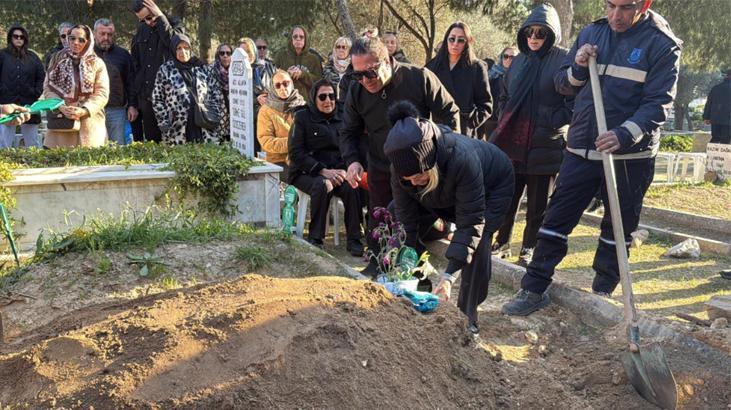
[251, 52]
[433, 174]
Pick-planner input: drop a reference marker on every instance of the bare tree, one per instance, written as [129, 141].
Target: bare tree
[420, 22]
[345, 19]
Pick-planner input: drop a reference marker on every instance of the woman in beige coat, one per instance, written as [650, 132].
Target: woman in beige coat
[79, 77]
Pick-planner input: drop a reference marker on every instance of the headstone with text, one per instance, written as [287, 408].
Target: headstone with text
[241, 103]
[719, 159]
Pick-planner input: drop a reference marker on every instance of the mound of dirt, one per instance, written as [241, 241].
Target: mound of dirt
[326, 342]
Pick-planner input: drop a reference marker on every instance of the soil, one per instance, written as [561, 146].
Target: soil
[255, 341]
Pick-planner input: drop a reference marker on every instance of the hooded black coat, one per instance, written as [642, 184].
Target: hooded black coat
[21, 73]
[469, 85]
[313, 142]
[550, 112]
[476, 184]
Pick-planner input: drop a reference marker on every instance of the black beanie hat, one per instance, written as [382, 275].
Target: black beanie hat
[410, 145]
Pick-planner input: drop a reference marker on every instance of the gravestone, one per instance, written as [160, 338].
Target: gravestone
[719, 159]
[241, 103]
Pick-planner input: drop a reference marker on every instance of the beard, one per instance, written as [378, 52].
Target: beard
[106, 45]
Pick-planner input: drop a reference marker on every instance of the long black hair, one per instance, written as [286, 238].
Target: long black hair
[468, 55]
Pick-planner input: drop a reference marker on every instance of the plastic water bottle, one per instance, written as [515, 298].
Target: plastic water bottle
[128, 137]
[290, 197]
[408, 258]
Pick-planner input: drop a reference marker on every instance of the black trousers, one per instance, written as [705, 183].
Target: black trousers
[575, 187]
[149, 122]
[721, 133]
[320, 202]
[379, 196]
[538, 189]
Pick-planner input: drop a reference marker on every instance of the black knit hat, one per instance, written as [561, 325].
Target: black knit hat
[410, 145]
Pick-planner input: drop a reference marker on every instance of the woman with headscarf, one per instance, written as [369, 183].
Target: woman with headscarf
[533, 124]
[436, 173]
[172, 97]
[496, 75]
[21, 82]
[318, 169]
[300, 62]
[338, 62]
[79, 77]
[275, 119]
[218, 71]
[464, 76]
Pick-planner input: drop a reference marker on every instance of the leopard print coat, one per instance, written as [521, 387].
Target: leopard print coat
[171, 101]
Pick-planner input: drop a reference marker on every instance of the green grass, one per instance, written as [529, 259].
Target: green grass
[701, 199]
[255, 257]
[662, 286]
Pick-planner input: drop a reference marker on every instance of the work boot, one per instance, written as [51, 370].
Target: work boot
[355, 247]
[602, 294]
[371, 270]
[525, 302]
[502, 251]
[726, 274]
[526, 255]
[316, 242]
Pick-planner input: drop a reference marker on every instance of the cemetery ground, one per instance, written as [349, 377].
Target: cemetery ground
[214, 315]
[700, 199]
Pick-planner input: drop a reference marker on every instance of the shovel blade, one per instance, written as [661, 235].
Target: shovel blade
[649, 373]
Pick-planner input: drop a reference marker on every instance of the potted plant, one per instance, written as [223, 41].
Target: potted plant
[396, 262]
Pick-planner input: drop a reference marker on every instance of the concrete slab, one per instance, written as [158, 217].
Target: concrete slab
[719, 306]
[691, 221]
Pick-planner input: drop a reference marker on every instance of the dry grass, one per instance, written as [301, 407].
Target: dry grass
[701, 199]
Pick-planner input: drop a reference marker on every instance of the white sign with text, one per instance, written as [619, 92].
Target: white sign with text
[719, 158]
[241, 101]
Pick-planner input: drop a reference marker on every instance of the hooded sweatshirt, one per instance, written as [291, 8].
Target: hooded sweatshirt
[21, 72]
[534, 119]
[307, 61]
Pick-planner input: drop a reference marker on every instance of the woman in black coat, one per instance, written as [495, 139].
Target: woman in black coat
[533, 124]
[317, 168]
[465, 77]
[437, 172]
[21, 83]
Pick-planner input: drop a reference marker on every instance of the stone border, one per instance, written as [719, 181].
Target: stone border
[693, 221]
[348, 270]
[595, 310]
[707, 245]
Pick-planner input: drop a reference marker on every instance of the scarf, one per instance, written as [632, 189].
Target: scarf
[515, 127]
[220, 71]
[496, 70]
[185, 68]
[61, 77]
[289, 104]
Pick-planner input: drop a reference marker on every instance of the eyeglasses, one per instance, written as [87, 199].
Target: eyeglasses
[284, 84]
[261, 47]
[18, 37]
[341, 47]
[323, 96]
[460, 40]
[369, 74]
[63, 36]
[508, 56]
[80, 40]
[538, 33]
[147, 18]
[298, 37]
[224, 53]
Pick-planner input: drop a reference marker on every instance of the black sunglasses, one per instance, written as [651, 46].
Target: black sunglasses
[538, 33]
[460, 40]
[63, 36]
[18, 37]
[148, 17]
[224, 53]
[261, 47]
[324, 96]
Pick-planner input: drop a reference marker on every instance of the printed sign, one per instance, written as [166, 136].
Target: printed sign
[241, 101]
[719, 158]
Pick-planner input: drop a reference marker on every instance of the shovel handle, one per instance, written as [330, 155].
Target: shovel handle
[630, 312]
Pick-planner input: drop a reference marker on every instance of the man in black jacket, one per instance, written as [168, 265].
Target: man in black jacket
[119, 68]
[717, 112]
[378, 82]
[150, 48]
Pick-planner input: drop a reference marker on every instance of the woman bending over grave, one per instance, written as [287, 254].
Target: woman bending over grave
[186, 99]
[438, 173]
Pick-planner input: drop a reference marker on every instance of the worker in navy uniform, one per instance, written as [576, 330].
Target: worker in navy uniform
[638, 58]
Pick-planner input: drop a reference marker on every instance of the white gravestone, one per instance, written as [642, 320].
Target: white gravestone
[719, 158]
[241, 103]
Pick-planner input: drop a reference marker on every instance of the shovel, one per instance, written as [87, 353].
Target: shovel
[35, 108]
[646, 366]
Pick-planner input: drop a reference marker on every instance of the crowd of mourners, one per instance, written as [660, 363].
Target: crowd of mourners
[459, 140]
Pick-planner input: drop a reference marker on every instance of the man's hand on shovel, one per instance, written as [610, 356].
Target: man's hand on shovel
[607, 142]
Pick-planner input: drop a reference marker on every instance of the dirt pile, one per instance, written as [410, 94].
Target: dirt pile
[260, 342]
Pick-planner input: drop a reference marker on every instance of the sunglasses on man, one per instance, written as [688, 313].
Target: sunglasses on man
[261, 47]
[369, 74]
[537, 33]
[324, 96]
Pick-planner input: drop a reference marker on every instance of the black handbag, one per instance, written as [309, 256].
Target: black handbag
[56, 121]
[203, 117]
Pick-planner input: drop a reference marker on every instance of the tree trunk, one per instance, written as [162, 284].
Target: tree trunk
[345, 18]
[689, 119]
[680, 112]
[205, 28]
[565, 9]
[180, 8]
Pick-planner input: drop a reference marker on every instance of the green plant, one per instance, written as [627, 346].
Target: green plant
[255, 257]
[169, 282]
[394, 259]
[676, 143]
[150, 264]
[103, 263]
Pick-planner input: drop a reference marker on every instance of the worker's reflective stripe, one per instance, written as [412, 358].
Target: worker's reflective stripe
[573, 81]
[594, 155]
[607, 241]
[633, 129]
[625, 73]
[553, 233]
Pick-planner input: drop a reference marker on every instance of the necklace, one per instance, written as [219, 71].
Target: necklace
[383, 94]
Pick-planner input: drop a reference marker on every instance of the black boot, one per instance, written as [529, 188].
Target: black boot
[525, 302]
[355, 247]
[371, 270]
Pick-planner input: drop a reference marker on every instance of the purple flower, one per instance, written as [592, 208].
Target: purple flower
[394, 242]
[376, 234]
[386, 261]
[377, 212]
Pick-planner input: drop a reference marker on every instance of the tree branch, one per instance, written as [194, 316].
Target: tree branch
[406, 24]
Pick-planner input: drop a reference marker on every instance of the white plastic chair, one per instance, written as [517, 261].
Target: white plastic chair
[303, 205]
[669, 159]
[696, 159]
